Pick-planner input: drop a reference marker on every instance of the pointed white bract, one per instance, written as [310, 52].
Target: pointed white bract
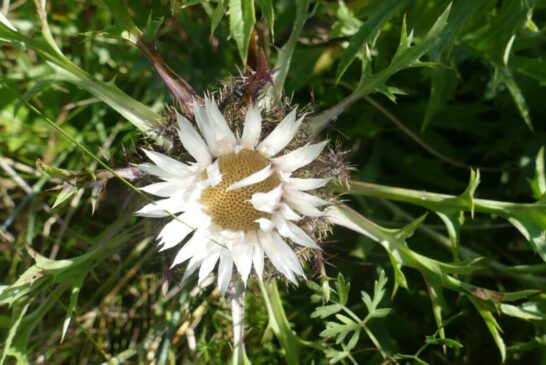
[252, 128]
[252, 179]
[209, 248]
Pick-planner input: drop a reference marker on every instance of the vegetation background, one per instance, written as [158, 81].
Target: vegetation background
[433, 94]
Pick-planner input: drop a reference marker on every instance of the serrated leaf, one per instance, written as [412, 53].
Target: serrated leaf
[151, 28]
[444, 81]
[353, 341]
[345, 320]
[381, 12]
[314, 286]
[367, 300]
[326, 311]
[241, 24]
[342, 289]
[381, 312]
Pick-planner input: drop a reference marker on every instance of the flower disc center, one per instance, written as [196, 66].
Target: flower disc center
[232, 209]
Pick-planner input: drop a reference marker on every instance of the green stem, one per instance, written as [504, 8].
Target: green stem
[433, 201]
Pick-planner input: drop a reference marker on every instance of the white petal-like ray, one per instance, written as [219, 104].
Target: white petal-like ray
[299, 157]
[162, 208]
[280, 255]
[257, 254]
[225, 270]
[214, 175]
[190, 269]
[174, 232]
[154, 170]
[167, 163]
[296, 234]
[252, 128]
[224, 135]
[295, 183]
[191, 248]
[192, 141]
[288, 255]
[304, 203]
[287, 212]
[206, 128]
[265, 224]
[241, 251]
[164, 189]
[267, 202]
[208, 265]
[252, 179]
[281, 135]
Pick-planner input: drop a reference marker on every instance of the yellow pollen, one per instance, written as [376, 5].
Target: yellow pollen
[232, 209]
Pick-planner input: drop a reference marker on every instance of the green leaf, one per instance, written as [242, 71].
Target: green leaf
[406, 56]
[454, 344]
[119, 9]
[538, 182]
[67, 191]
[380, 313]
[504, 75]
[217, 16]
[491, 324]
[529, 219]
[135, 112]
[71, 307]
[530, 67]
[327, 310]
[284, 57]
[17, 317]
[342, 288]
[266, 6]
[444, 81]
[280, 324]
[529, 311]
[381, 11]
[242, 18]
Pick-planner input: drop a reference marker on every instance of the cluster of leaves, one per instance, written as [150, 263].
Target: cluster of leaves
[468, 85]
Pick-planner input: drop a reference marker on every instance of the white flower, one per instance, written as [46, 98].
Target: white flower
[238, 203]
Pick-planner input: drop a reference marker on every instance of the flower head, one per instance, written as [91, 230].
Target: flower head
[241, 199]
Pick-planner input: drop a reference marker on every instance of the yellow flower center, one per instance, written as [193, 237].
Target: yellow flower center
[232, 209]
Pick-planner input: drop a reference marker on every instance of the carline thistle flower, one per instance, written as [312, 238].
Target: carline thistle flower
[249, 193]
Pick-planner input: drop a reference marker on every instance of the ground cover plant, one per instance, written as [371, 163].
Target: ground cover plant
[414, 138]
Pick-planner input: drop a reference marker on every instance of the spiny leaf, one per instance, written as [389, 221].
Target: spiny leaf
[381, 12]
[492, 325]
[71, 307]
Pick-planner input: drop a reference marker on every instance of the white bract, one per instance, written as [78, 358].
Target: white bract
[238, 203]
